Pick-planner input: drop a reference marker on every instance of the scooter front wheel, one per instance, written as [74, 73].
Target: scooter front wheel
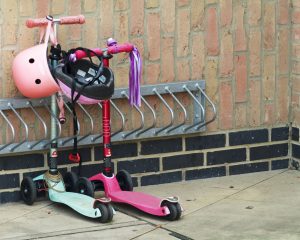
[84, 186]
[106, 211]
[28, 190]
[175, 211]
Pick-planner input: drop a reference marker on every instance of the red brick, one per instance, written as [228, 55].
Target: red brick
[121, 73]
[295, 84]
[197, 14]
[212, 82]
[212, 38]
[283, 56]
[240, 115]
[283, 101]
[283, 11]
[296, 16]
[42, 8]
[167, 60]
[226, 54]
[168, 16]
[295, 102]
[183, 70]
[254, 8]
[226, 105]
[26, 8]
[269, 25]
[106, 23]
[153, 33]
[153, 73]
[121, 27]
[75, 30]
[269, 112]
[183, 23]
[152, 3]
[9, 12]
[255, 52]
[121, 5]
[296, 116]
[240, 34]
[226, 12]
[254, 103]
[296, 50]
[90, 39]
[295, 3]
[10, 36]
[198, 53]
[9, 88]
[137, 17]
[296, 33]
[182, 3]
[296, 67]
[25, 37]
[57, 7]
[269, 77]
[240, 78]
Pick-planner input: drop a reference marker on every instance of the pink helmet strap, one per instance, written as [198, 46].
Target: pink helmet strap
[46, 33]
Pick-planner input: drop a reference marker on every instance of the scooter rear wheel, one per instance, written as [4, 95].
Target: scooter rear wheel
[84, 186]
[125, 180]
[28, 190]
[175, 211]
[70, 180]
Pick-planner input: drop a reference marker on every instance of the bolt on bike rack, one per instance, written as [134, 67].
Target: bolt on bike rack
[193, 117]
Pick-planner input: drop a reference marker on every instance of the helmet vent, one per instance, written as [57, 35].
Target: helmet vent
[38, 81]
[31, 60]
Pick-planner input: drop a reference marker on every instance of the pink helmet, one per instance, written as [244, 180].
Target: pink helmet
[31, 71]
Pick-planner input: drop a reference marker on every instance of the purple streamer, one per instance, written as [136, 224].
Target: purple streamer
[135, 75]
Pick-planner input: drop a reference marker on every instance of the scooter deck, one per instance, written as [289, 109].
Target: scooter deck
[142, 201]
[82, 204]
[79, 202]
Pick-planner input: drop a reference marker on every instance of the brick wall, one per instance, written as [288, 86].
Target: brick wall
[246, 50]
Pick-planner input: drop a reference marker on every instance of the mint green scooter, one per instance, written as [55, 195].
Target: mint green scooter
[52, 181]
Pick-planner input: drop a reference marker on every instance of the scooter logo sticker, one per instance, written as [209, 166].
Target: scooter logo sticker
[54, 154]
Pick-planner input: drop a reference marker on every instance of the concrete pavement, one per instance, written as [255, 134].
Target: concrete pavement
[263, 205]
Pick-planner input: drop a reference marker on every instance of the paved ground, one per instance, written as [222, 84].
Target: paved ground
[251, 206]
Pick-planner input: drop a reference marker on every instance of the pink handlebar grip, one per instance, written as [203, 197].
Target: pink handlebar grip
[126, 47]
[72, 20]
[38, 22]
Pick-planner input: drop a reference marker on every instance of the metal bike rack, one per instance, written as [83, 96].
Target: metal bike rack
[194, 117]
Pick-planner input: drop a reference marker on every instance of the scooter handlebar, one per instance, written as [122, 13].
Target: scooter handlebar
[38, 22]
[114, 49]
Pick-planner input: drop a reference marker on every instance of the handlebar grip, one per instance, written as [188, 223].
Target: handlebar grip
[118, 48]
[38, 22]
[126, 47]
[72, 20]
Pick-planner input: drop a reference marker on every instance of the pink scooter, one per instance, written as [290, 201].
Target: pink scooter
[119, 187]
